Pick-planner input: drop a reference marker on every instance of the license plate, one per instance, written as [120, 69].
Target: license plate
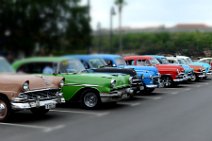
[50, 106]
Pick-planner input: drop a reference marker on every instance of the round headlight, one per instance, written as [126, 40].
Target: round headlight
[178, 71]
[113, 83]
[159, 75]
[25, 86]
[142, 76]
[131, 80]
[61, 83]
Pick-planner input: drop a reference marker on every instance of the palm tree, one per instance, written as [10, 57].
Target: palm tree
[120, 4]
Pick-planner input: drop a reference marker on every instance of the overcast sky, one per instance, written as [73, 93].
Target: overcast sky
[143, 13]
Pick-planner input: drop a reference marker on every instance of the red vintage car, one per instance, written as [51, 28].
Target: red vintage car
[170, 74]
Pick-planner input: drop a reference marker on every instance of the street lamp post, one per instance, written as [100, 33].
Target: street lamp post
[99, 44]
[112, 13]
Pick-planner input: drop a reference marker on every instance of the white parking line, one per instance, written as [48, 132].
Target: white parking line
[194, 86]
[151, 98]
[99, 114]
[174, 93]
[44, 128]
[132, 104]
[205, 83]
[171, 88]
[50, 129]
[187, 89]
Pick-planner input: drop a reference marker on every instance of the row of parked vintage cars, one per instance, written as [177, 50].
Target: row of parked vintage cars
[42, 82]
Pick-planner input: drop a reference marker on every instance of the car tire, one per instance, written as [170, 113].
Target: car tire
[194, 78]
[90, 100]
[40, 111]
[5, 109]
[167, 81]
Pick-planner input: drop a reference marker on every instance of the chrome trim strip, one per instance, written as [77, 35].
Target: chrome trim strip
[40, 90]
[75, 84]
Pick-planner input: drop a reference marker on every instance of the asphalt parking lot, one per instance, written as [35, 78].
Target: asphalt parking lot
[168, 114]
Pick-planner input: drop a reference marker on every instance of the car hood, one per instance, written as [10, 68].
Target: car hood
[12, 83]
[196, 67]
[187, 68]
[97, 79]
[169, 67]
[153, 70]
[206, 66]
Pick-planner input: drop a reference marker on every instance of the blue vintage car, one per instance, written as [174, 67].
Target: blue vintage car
[189, 72]
[148, 74]
[206, 66]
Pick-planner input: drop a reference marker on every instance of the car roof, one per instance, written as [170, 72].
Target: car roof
[184, 57]
[82, 56]
[138, 57]
[205, 58]
[157, 56]
[38, 59]
[107, 56]
[44, 59]
[171, 57]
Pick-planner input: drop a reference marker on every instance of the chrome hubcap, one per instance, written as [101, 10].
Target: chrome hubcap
[90, 100]
[167, 82]
[3, 110]
[193, 78]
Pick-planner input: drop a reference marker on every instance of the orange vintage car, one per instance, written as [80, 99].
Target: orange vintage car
[21, 92]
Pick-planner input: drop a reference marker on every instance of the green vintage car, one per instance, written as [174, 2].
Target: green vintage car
[90, 89]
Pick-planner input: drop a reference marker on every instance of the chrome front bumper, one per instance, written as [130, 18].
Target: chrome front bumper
[179, 80]
[114, 96]
[44, 103]
[200, 74]
[180, 77]
[151, 86]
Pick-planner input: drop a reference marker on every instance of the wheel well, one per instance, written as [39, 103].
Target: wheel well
[4, 96]
[166, 75]
[80, 92]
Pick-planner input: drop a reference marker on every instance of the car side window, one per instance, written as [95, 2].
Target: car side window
[171, 61]
[46, 68]
[205, 61]
[141, 62]
[109, 62]
[85, 64]
[130, 62]
[147, 63]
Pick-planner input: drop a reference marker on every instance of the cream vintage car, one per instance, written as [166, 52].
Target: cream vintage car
[27, 92]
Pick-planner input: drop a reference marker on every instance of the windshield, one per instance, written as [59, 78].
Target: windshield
[120, 61]
[96, 63]
[181, 61]
[154, 61]
[164, 61]
[71, 66]
[189, 60]
[5, 66]
[186, 61]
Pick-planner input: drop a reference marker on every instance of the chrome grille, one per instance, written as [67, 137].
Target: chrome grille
[42, 95]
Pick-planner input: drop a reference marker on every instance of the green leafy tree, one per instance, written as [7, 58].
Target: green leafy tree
[50, 26]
